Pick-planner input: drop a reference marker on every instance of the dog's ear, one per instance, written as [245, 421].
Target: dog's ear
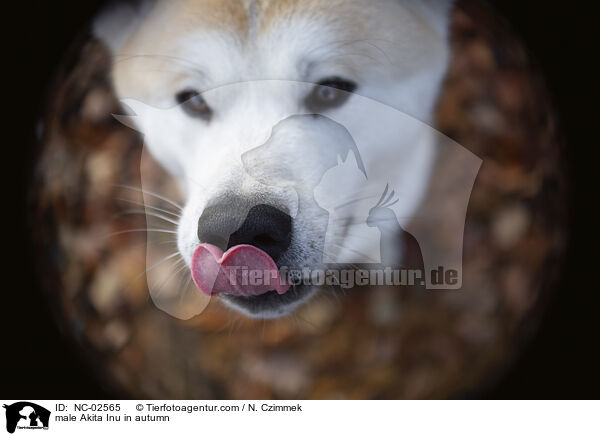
[118, 20]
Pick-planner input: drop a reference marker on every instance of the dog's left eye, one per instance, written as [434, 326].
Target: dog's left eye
[192, 102]
[329, 93]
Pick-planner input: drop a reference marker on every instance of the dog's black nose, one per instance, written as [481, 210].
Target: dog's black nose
[264, 227]
[267, 228]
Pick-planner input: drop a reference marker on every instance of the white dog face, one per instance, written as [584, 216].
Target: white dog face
[249, 103]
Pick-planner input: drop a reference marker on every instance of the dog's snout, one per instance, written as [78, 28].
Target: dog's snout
[267, 228]
[263, 226]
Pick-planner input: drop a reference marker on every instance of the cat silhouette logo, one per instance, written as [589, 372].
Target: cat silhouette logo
[26, 415]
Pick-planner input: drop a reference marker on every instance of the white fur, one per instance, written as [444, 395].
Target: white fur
[398, 61]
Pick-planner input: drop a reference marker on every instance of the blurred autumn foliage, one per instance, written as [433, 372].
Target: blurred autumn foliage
[375, 343]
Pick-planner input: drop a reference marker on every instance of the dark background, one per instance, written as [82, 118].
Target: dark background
[560, 362]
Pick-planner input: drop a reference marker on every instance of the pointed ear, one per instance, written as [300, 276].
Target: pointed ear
[118, 21]
[136, 113]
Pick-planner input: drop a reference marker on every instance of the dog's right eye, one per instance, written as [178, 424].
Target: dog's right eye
[193, 104]
[329, 93]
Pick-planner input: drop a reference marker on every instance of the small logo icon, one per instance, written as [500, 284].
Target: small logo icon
[26, 415]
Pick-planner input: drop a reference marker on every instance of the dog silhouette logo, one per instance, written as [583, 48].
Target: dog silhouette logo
[26, 415]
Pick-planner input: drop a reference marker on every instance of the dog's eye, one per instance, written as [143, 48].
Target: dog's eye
[192, 102]
[329, 93]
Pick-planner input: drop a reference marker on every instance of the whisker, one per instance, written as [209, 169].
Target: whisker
[154, 194]
[147, 206]
[170, 276]
[143, 212]
[147, 270]
[186, 287]
[168, 241]
[141, 230]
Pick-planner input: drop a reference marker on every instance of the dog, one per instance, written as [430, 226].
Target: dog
[248, 104]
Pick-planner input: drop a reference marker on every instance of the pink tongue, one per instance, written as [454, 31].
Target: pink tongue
[243, 270]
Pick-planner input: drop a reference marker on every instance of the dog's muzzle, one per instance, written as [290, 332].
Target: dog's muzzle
[239, 250]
